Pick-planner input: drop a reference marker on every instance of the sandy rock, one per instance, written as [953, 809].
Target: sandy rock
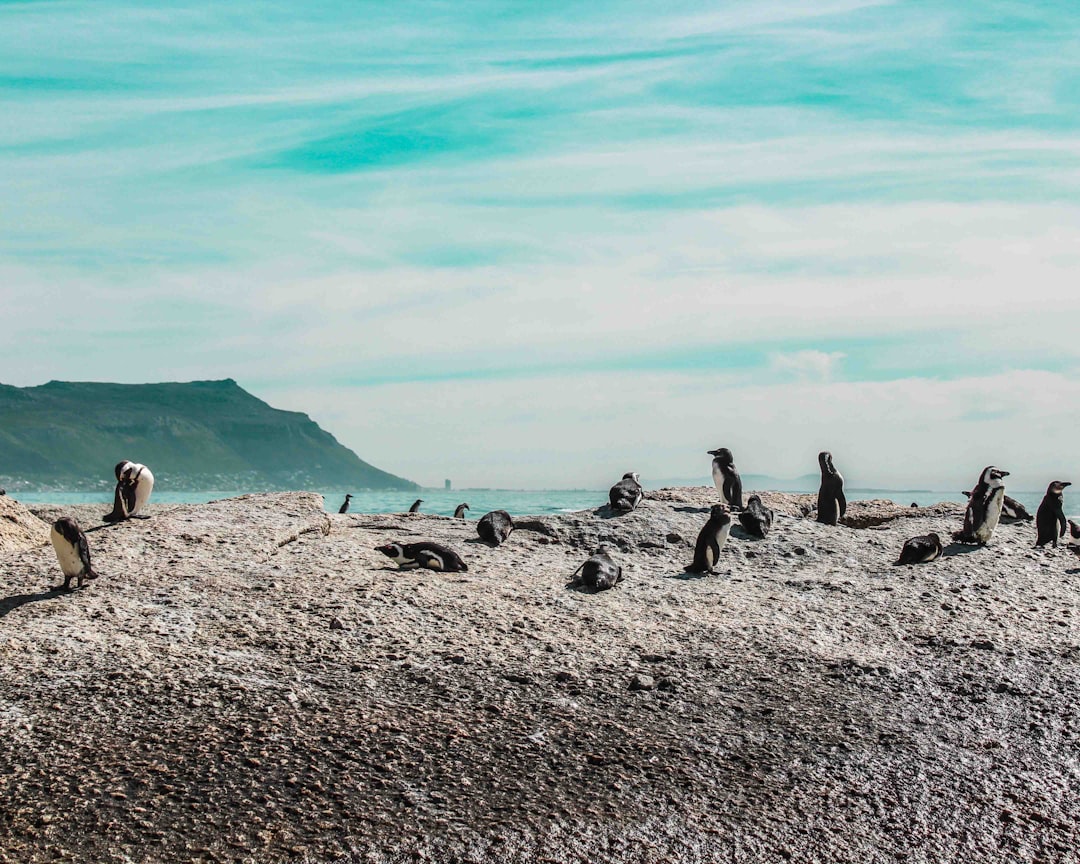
[19, 528]
[197, 702]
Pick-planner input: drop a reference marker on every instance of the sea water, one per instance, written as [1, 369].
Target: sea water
[517, 502]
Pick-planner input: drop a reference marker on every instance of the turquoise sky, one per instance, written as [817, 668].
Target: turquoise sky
[536, 243]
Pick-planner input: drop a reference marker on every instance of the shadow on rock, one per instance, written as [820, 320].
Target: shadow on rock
[692, 509]
[9, 604]
[959, 549]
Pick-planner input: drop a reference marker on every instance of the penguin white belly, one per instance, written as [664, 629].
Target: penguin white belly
[66, 554]
[722, 536]
[718, 478]
[992, 515]
[143, 487]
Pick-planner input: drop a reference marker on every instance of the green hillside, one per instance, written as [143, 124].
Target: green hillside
[199, 435]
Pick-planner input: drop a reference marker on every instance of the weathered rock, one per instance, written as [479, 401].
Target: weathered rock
[19, 528]
[490, 714]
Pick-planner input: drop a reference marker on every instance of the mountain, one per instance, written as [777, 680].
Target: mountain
[199, 435]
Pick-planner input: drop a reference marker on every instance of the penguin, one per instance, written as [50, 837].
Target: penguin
[598, 572]
[431, 556]
[756, 519]
[984, 507]
[134, 483]
[415, 508]
[625, 495]
[1074, 537]
[710, 541]
[459, 511]
[1012, 511]
[72, 551]
[726, 477]
[831, 503]
[921, 550]
[345, 507]
[495, 527]
[1050, 521]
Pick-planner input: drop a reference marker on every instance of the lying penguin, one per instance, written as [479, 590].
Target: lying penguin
[756, 519]
[426, 554]
[599, 572]
[625, 495]
[921, 550]
[494, 527]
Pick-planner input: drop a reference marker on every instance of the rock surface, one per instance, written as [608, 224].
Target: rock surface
[19, 528]
[250, 681]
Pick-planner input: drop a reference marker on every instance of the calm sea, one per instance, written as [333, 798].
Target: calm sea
[517, 502]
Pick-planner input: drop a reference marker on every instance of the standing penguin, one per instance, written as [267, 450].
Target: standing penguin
[625, 495]
[599, 572]
[345, 507]
[984, 507]
[495, 527]
[134, 483]
[831, 503]
[756, 519]
[1050, 521]
[726, 477]
[710, 541]
[72, 551]
[459, 511]
[415, 508]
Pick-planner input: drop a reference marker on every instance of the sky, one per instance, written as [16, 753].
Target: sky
[538, 245]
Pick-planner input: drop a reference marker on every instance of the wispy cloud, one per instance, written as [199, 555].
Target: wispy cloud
[479, 198]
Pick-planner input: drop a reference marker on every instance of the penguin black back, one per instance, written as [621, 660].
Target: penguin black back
[726, 477]
[625, 495]
[415, 508]
[72, 551]
[494, 527]
[831, 503]
[756, 519]
[710, 541]
[921, 550]
[598, 572]
[345, 507]
[1050, 521]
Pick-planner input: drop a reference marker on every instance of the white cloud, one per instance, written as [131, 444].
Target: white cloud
[814, 365]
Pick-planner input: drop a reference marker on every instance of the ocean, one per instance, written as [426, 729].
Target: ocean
[517, 502]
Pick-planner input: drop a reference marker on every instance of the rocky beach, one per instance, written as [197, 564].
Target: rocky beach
[250, 681]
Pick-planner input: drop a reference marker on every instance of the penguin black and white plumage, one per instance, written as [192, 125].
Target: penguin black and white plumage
[710, 541]
[495, 527]
[984, 507]
[921, 550]
[756, 519]
[831, 503]
[1074, 537]
[1012, 511]
[415, 508]
[345, 506]
[426, 554]
[625, 495]
[459, 511]
[134, 483]
[1050, 521]
[599, 571]
[72, 551]
[726, 477]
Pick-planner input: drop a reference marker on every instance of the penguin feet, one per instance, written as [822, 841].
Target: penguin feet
[140, 516]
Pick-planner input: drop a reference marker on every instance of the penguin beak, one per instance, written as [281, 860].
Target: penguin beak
[1003, 473]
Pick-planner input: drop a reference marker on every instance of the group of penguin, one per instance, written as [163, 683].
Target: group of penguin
[987, 504]
[134, 483]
